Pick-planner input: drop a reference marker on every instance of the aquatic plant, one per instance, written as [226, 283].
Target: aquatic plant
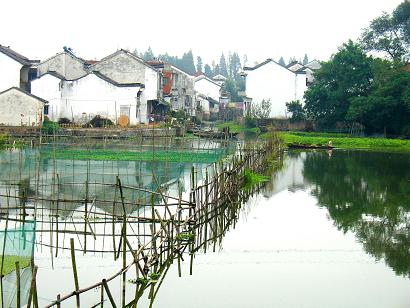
[250, 178]
[185, 236]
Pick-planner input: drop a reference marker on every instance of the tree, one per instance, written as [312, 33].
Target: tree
[387, 107]
[198, 64]
[261, 110]
[234, 65]
[208, 70]
[389, 33]
[282, 62]
[187, 63]
[305, 60]
[148, 55]
[222, 66]
[296, 108]
[346, 75]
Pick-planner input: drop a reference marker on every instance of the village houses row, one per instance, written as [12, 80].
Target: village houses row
[67, 87]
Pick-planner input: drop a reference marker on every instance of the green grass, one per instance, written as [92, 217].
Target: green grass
[9, 263]
[159, 155]
[345, 142]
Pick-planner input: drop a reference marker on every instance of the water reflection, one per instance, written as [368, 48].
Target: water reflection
[364, 192]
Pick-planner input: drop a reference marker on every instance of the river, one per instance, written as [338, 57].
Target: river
[331, 229]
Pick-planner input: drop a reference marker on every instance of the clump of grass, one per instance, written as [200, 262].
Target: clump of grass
[9, 263]
[250, 179]
[185, 236]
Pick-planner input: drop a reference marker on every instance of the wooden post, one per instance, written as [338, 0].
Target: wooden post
[18, 302]
[109, 293]
[75, 271]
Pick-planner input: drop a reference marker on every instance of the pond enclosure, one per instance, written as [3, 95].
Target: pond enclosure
[140, 205]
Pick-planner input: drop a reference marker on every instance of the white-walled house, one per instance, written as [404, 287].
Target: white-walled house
[123, 67]
[20, 108]
[121, 84]
[94, 94]
[15, 69]
[207, 87]
[270, 80]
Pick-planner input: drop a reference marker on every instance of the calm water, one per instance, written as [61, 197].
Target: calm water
[329, 230]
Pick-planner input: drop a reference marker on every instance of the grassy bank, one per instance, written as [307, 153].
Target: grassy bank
[345, 141]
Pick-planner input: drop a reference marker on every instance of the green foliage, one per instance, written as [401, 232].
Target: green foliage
[99, 121]
[296, 108]
[389, 33]
[208, 71]
[387, 107]
[250, 122]
[3, 140]
[49, 127]
[198, 64]
[346, 75]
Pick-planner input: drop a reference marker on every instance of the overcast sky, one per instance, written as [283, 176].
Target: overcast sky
[261, 29]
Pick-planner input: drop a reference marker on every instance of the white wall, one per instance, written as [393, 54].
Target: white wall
[207, 88]
[20, 109]
[48, 88]
[9, 72]
[274, 82]
[90, 96]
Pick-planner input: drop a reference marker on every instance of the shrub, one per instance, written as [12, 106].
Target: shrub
[49, 127]
[99, 121]
[64, 121]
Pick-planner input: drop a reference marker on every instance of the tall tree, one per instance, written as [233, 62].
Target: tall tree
[148, 55]
[305, 60]
[282, 61]
[198, 64]
[208, 70]
[346, 75]
[187, 63]
[389, 33]
[223, 70]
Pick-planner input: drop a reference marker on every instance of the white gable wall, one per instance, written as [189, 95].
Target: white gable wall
[64, 64]
[274, 82]
[20, 109]
[9, 72]
[207, 88]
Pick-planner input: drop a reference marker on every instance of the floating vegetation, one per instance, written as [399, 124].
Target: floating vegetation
[157, 155]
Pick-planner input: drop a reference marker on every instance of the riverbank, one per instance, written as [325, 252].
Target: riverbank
[345, 141]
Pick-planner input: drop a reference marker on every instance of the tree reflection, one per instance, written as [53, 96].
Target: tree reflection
[368, 194]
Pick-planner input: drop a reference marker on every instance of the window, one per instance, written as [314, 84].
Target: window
[46, 109]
